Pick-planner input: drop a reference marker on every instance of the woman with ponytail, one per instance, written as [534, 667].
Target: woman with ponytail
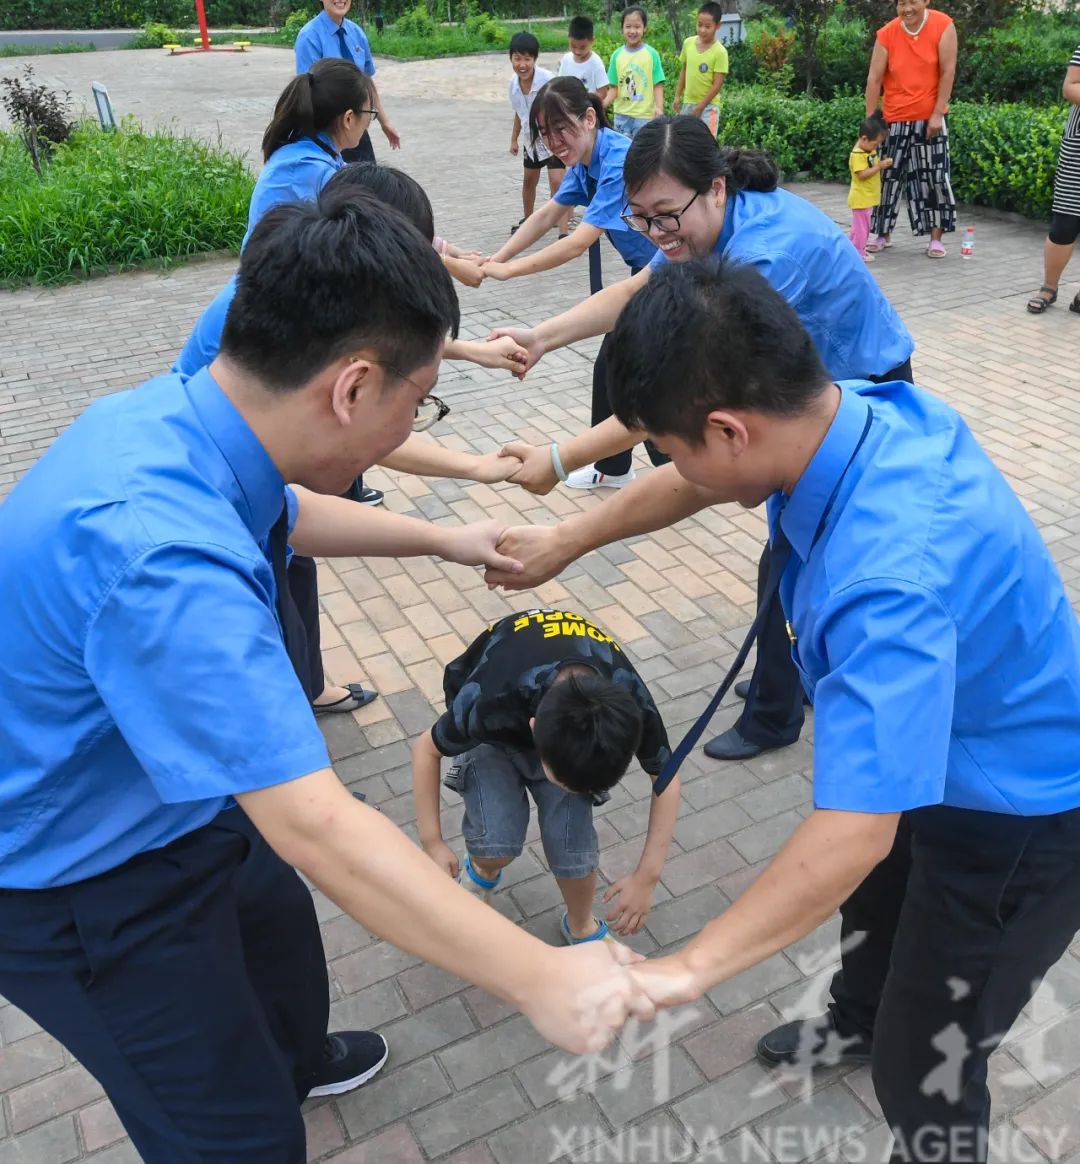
[692, 199]
[320, 113]
[572, 123]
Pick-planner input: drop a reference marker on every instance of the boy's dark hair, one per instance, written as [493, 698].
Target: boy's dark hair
[562, 100]
[581, 28]
[684, 149]
[630, 10]
[394, 187]
[586, 730]
[769, 363]
[313, 101]
[873, 127]
[711, 8]
[526, 44]
[318, 281]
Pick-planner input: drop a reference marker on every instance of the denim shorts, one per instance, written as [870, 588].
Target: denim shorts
[627, 125]
[495, 782]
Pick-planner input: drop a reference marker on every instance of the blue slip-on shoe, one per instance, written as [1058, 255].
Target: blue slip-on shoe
[600, 934]
[478, 886]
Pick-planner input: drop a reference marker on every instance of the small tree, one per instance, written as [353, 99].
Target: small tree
[807, 19]
[675, 15]
[39, 115]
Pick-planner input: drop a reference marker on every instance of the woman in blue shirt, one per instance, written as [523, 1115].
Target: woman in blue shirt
[330, 35]
[573, 124]
[692, 199]
[320, 113]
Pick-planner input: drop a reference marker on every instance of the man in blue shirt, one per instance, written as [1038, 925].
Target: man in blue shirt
[329, 34]
[146, 691]
[927, 619]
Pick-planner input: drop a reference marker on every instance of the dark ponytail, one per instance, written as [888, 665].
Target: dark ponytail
[313, 101]
[684, 149]
[562, 100]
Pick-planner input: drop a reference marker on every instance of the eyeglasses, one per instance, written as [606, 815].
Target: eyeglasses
[372, 113]
[429, 410]
[666, 223]
[554, 133]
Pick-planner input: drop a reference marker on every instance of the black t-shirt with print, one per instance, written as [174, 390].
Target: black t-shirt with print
[493, 688]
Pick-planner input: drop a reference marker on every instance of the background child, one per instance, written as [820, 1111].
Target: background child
[865, 191]
[581, 61]
[636, 75]
[547, 704]
[527, 81]
[703, 69]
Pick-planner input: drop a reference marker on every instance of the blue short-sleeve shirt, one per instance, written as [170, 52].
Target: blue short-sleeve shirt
[599, 188]
[143, 680]
[812, 263]
[205, 340]
[931, 625]
[319, 38]
[294, 173]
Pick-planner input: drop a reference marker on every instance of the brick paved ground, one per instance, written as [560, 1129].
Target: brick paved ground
[468, 1082]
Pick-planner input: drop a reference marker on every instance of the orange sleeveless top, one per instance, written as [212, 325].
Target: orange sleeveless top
[911, 76]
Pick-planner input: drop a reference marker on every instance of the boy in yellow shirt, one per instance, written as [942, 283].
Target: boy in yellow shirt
[704, 68]
[865, 192]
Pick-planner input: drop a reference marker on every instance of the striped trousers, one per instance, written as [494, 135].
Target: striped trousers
[920, 170]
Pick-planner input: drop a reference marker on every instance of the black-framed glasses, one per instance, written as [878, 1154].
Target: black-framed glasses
[372, 113]
[430, 409]
[667, 223]
[554, 133]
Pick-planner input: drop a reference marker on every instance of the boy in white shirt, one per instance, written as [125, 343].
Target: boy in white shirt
[527, 81]
[581, 61]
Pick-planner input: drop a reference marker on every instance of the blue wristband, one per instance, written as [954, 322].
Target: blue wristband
[556, 462]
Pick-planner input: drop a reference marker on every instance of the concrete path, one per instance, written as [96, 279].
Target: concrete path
[469, 1082]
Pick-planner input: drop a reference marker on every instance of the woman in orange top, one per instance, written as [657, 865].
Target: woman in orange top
[914, 59]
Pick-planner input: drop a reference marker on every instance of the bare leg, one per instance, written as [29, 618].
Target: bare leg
[579, 893]
[489, 867]
[1055, 258]
[529, 183]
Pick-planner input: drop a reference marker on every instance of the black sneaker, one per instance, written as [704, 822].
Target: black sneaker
[811, 1043]
[350, 1059]
[369, 496]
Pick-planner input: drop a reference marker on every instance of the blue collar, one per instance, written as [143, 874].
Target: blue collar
[260, 491]
[816, 488]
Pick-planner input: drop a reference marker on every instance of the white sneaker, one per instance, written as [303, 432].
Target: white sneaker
[591, 478]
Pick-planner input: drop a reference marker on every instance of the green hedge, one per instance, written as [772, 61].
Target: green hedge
[115, 200]
[1003, 156]
[34, 14]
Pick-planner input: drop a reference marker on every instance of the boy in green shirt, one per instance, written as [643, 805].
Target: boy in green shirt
[704, 67]
[636, 75]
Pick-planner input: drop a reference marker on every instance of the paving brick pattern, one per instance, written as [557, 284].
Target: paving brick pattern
[468, 1081]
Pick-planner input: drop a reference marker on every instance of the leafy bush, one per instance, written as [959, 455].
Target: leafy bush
[112, 200]
[155, 35]
[416, 22]
[1024, 61]
[39, 115]
[294, 22]
[1003, 156]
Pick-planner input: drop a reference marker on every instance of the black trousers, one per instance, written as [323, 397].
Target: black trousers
[191, 983]
[773, 714]
[944, 944]
[601, 410]
[304, 589]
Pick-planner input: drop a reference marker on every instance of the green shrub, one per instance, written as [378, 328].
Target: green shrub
[114, 200]
[416, 22]
[154, 36]
[1025, 61]
[294, 22]
[1003, 156]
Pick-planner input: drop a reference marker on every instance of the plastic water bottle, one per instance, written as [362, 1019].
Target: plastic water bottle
[967, 245]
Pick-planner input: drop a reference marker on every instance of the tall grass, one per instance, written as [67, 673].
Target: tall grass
[109, 201]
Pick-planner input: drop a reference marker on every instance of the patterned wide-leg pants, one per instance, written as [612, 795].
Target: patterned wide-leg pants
[920, 170]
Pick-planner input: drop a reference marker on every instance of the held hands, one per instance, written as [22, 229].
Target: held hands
[667, 981]
[494, 467]
[504, 352]
[634, 894]
[476, 545]
[535, 472]
[525, 338]
[494, 270]
[392, 135]
[534, 550]
[466, 271]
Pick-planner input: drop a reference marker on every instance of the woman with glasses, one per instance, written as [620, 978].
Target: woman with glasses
[693, 199]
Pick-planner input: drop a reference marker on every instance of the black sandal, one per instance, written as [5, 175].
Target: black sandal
[1038, 303]
[513, 229]
[356, 698]
[1075, 305]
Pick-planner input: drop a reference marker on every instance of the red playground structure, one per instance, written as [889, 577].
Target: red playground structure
[175, 50]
